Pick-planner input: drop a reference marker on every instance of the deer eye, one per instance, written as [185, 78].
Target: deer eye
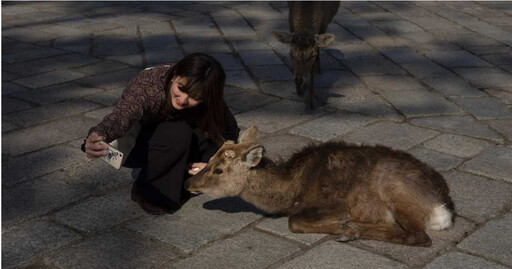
[217, 171]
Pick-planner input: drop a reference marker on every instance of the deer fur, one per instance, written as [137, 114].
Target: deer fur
[308, 23]
[367, 192]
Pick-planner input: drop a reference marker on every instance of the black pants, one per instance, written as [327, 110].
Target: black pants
[163, 152]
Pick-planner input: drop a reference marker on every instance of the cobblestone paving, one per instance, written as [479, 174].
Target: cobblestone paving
[431, 78]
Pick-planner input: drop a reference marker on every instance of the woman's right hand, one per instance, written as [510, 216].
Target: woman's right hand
[93, 148]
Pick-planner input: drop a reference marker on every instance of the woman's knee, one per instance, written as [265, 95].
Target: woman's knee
[171, 136]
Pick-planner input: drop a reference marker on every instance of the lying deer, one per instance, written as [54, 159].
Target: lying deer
[334, 188]
[308, 23]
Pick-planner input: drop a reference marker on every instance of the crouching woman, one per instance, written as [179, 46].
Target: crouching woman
[180, 118]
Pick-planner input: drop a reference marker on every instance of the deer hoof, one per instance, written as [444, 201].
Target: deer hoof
[349, 232]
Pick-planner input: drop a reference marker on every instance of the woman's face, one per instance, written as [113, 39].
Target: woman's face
[181, 100]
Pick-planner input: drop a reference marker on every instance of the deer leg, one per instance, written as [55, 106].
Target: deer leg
[318, 60]
[310, 95]
[316, 220]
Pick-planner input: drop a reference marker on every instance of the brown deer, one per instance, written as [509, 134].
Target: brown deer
[308, 23]
[367, 192]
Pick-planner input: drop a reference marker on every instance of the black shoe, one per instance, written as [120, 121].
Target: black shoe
[150, 208]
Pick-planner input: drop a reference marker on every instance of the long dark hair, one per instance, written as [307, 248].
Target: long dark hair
[205, 81]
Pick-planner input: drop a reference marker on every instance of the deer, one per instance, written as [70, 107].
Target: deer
[347, 190]
[308, 22]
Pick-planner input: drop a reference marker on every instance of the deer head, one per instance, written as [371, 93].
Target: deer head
[227, 171]
[303, 53]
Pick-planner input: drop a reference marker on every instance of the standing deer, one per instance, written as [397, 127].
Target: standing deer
[308, 23]
[334, 188]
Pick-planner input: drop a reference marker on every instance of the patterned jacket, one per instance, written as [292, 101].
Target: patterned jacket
[145, 100]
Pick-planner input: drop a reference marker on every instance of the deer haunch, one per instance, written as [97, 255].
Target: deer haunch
[368, 192]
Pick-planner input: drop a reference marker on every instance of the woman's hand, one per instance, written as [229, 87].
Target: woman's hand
[92, 148]
[196, 167]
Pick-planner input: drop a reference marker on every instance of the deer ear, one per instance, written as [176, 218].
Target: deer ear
[250, 136]
[323, 40]
[282, 37]
[252, 156]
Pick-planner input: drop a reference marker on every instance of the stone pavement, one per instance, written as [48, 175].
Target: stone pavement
[430, 78]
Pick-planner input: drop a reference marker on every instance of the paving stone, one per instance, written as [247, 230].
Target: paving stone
[108, 98]
[160, 55]
[484, 107]
[8, 126]
[194, 24]
[421, 103]
[279, 226]
[459, 230]
[283, 145]
[244, 44]
[200, 221]
[37, 197]
[57, 93]
[10, 105]
[240, 79]
[476, 197]
[458, 58]
[484, 50]
[246, 250]
[260, 10]
[100, 67]
[493, 163]
[96, 174]
[64, 61]
[373, 66]
[27, 35]
[79, 44]
[100, 213]
[271, 72]
[392, 83]
[126, 250]
[333, 125]
[28, 52]
[403, 55]
[228, 61]
[398, 136]
[333, 254]
[283, 89]
[504, 95]
[493, 240]
[504, 127]
[485, 77]
[372, 105]
[213, 47]
[453, 87]
[335, 78]
[45, 135]
[50, 112]
[234, 26]
[463, 125]
[276, 116]
[248, 101]
[112, 80]
[457, 145]
[41, 163]
[113, 48]
[100, 113]
[438, 161]
[31, 240]
[264, 57]
[200, 37]
[352, 51]
[426, 69]
[157, 35]
[461, 260]
[50, 78]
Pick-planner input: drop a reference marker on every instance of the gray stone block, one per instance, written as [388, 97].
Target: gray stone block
[246, 250]
[457, 145]
[279, 226]
[134, 60]
[47, 79]
[234, 26]
[477, 198]
[31, 240]
[283, 146]
[113, 48]
[194, 24]
[50, 112]
[10, 105]
[108, 98]
[485, 77]
[27, 35]
[403, 55]
[399, 27]
[41, 163]
[398, 136]
[100, 68]
[459, 58]
[210, 47]
[211, 36]
[228, 61]
[463, 125]
[373, 66]
[493, 162]
[56, 93]
[453, 87]
[247, 101]
[504, 95]
[504, 127]
[100, 113]
[28, 52]
[335, 79]
[438, 161]
[372, 105]
[115, 249]
[79, 44]
[200, 221]
[158, 37]
[276, 116]
[240, 79]
[100, 213]
[333, 125]
[427, 69]
[97, 174]
[271, 72]
[163, 54]
[8, 126]
[37, 197]
[484, 108]
[244, 44]
[493, 240]
[111, 80]
[45, 135]
[335, 255]
[263, 57]
[393, 83]
[421, 103]
[283, 89]
[461, 260]
[353, 51]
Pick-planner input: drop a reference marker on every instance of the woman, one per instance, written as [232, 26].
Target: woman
[183, 121]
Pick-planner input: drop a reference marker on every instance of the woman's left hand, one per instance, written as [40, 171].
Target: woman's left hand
[196, 168]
